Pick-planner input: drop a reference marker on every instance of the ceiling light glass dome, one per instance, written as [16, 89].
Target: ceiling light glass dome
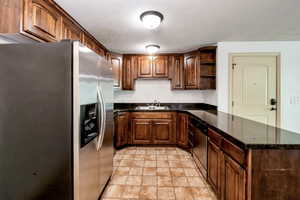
[151, 19]
[152, 48]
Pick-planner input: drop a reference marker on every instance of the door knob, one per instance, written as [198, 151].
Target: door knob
[273, 109]
[273, 101]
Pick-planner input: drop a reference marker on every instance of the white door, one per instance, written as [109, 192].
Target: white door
[254, 88]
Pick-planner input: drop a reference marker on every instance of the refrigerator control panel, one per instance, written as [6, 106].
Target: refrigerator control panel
[89, 119]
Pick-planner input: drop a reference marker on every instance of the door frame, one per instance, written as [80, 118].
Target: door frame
[278, 80]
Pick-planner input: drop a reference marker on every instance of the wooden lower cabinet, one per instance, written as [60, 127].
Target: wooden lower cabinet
[141, 131]
[182, 130]
[153, 128]
[214, 155]
[162, 131]
[121, 129]
[226, 176]
[233, 180]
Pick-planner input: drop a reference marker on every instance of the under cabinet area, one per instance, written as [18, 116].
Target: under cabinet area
[153, 128]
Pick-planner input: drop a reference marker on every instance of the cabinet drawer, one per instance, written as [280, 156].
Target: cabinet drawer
[234, 151]
[215, 137]
[152, 115]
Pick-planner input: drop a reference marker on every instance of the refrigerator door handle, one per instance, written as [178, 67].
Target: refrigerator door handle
[103, 118]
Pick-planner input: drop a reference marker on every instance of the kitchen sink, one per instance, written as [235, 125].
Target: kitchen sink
[152, 108]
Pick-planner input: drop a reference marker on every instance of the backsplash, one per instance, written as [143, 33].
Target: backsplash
[148, 90]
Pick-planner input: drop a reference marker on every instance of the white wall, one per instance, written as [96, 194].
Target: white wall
[290, 76]
[4, 41]
[148, 90]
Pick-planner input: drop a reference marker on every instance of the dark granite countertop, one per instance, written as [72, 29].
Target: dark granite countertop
[245, 133]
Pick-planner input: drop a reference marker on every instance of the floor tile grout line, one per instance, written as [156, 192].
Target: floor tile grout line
[169, 167]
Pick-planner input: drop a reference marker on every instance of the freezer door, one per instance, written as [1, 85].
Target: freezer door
[89, 164]
[106, 134]
[86, 154]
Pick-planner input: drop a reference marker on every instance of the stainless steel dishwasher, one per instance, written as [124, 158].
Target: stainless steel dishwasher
[199, 149]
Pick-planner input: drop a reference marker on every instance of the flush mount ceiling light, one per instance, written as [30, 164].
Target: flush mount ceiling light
[152, 48]
[151, 19]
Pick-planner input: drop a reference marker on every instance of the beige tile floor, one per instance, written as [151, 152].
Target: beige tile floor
[156, 173]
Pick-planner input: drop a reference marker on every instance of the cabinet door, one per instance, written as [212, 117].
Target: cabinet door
[191, 67]
[233, 180]
[128, 73]
[42, 20]
[69, 30]
[200, 150]
[121, 133]
[160, 67]
[182, 130]
[162, 131]
[99, 50]
[141, 131]
[116, 61]
[214, 166]
[177, 72]
[88, 42]
[144, 67]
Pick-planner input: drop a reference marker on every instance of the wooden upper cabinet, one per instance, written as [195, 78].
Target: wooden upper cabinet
[177, 72]
[192, 70]
[162, 131]
[153, 67]
[141, 131]
[108, 56]
[88, 42]
[99, 50]
[69, 30]
[144, 67]
[116, 61]
[160, 67]
[42, 20]
[128, 72]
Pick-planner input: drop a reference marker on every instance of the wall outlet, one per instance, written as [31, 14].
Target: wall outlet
[295, 100]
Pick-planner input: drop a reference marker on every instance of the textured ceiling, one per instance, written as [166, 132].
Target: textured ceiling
[188, 24]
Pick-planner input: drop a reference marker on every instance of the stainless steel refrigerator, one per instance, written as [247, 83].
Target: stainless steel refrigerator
[56, 122]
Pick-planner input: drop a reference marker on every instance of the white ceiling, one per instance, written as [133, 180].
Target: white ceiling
[188, 24]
